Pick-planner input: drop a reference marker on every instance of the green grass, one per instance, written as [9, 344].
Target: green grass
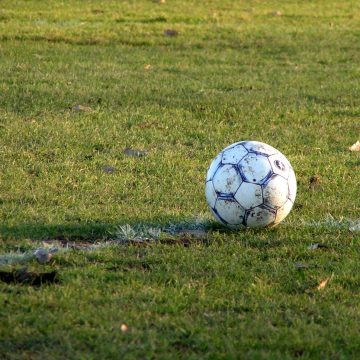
[234, 72]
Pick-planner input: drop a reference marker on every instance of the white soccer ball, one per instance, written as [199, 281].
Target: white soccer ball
[250, 184]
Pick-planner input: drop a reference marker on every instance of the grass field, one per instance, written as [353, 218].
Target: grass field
[281, 72]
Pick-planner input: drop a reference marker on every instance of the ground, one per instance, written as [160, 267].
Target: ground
[87, 87]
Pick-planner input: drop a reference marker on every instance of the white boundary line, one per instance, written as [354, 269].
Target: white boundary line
[126, 234]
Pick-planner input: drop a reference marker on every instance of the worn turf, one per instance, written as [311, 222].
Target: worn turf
[179, 80]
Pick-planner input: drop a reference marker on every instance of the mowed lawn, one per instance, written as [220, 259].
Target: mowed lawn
[80, 82]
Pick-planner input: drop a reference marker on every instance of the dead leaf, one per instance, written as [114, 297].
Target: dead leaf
[324, 283]
[124, 328]
[276, 13]
[355, 147]
[145, 125]
[82, 108]
[135, 152]
[171, 32]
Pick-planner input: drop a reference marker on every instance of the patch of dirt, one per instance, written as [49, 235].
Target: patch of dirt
[315, 182]
[299, 352]
[193, 234]
[108, 169]
[76, 245]
[171, 32]
[185, 241]
[22, 276]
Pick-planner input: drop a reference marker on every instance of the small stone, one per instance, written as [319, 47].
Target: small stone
[43, 255]
[135, 152]
[108, 169]
[124, 328]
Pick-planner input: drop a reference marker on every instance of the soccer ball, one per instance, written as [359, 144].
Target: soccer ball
[250, 184]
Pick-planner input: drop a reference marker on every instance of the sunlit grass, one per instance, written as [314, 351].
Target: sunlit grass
[285, 73]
